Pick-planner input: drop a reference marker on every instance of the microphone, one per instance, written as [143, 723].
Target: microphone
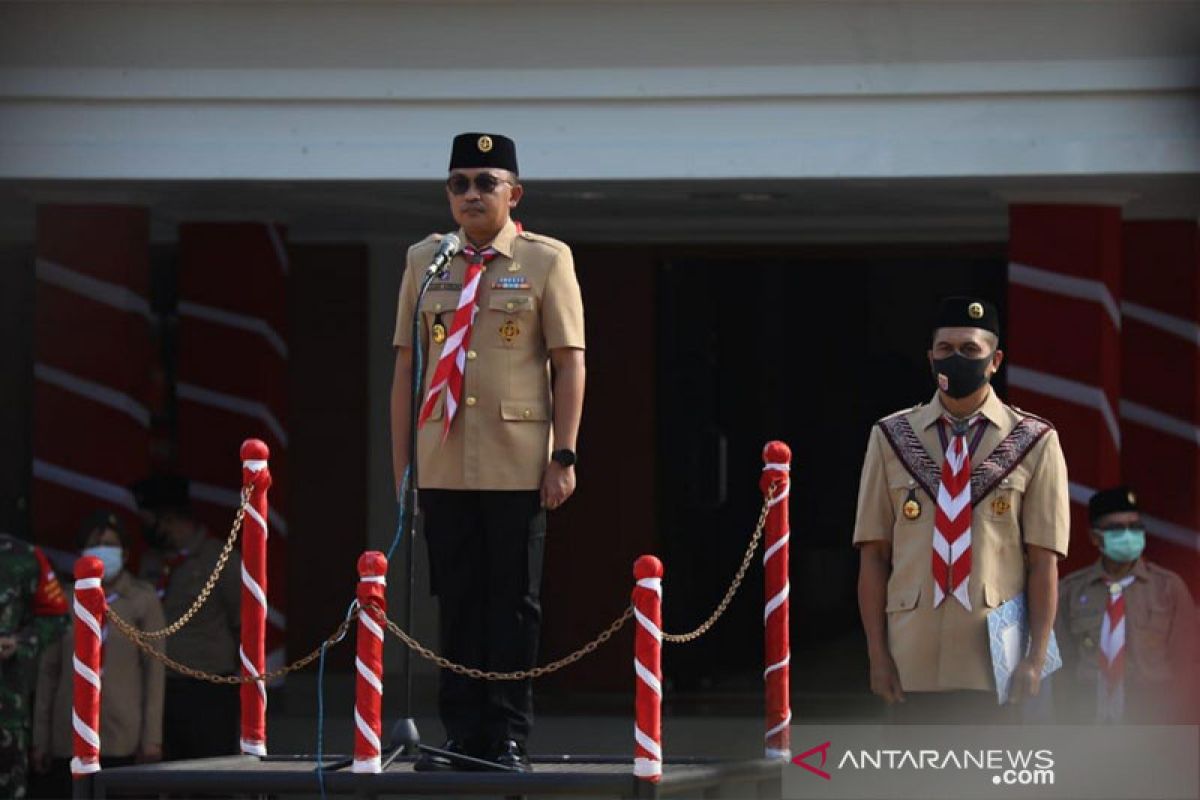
[448, 249]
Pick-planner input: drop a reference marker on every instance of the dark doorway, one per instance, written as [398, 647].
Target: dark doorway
[806, 345]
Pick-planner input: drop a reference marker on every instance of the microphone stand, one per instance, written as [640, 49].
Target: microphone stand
[405, 738]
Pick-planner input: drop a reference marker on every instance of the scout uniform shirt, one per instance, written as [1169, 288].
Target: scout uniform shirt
[1019, 494]
[1160, 642]
[209, 642]
[529, 304]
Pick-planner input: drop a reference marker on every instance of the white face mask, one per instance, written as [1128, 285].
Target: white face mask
[110, 555]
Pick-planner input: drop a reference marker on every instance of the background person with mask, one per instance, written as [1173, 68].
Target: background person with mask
[962, 506]
[131, 704]
[1126, 627]
[199, 719]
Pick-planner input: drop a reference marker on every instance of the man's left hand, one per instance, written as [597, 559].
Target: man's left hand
[8, 646]
[558, 483]
[1026, 680]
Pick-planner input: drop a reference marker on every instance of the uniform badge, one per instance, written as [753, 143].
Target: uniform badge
[975, 311]
[911, 508]
[509, 331]
[485, 144]
[439, 333]
[514, 267]
[1000, 506]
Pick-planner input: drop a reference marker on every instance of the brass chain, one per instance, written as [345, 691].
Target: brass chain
[681, 638]
[202, 598]
[140, 640]
[490, 675]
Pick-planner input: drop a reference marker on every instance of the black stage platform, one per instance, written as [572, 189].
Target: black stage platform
[553, 775]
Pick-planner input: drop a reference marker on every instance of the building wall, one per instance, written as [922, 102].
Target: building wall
[300, 90]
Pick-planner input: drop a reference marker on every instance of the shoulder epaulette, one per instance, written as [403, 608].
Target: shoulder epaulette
[540, 239]
[1022, 412]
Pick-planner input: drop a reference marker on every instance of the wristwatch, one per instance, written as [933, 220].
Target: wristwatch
[564, 457]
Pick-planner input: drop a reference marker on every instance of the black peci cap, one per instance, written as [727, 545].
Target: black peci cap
[472, 150]
[967, 312]
[1111, 501]
[162, 493]
[101, 521]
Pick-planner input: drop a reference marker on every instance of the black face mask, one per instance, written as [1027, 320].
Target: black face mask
[963, 375]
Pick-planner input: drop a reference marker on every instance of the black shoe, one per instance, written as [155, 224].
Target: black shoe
[435, 762]
[510, 753]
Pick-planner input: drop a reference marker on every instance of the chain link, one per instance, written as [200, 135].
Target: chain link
[490, 675]
[143, 639]
[682, 638]
[202, 598]
[140, 640]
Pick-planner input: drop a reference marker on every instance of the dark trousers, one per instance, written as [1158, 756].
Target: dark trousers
[485, 560]
[199, 719]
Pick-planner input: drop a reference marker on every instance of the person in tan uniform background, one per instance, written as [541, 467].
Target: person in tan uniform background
[200, 719]
[131, 708]
[1143, 669]
[493, 457]
[927, 634]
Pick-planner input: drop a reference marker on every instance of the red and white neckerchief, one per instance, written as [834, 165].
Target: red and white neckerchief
[1110, 697]
[448, 375]
[952, 520]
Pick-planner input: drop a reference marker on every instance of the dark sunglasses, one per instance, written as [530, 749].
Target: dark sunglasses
[485, 183]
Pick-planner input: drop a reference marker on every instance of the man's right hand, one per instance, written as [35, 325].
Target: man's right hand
[885, 679]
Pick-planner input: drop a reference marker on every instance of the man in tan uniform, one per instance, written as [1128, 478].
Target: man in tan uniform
[1126, 627]
[502, 396]
[962, 506]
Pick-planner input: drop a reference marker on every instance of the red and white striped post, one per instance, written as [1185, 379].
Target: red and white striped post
[777, 464]
[647, 664]
[368, 690]
[257, 476]
[90, 608]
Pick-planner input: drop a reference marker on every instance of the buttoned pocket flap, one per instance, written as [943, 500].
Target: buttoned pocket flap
[440, 303]
[523, 411]
[1014, 481]
[510, 303]
[903, 600]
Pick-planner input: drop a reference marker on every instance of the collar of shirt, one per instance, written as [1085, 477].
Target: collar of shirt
[503, 243]
[992, 410]
[1096, 574]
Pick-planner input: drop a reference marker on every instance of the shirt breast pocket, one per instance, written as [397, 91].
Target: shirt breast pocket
[1003, 505]
[511, 320]
[909, 500]
[437, 317]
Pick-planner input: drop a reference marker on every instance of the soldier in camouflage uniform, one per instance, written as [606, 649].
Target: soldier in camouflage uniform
[33, 614]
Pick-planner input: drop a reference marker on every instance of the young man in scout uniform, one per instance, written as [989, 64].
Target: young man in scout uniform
[200, 719]
[502, 397]
[1126, 627]
[962, 506]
